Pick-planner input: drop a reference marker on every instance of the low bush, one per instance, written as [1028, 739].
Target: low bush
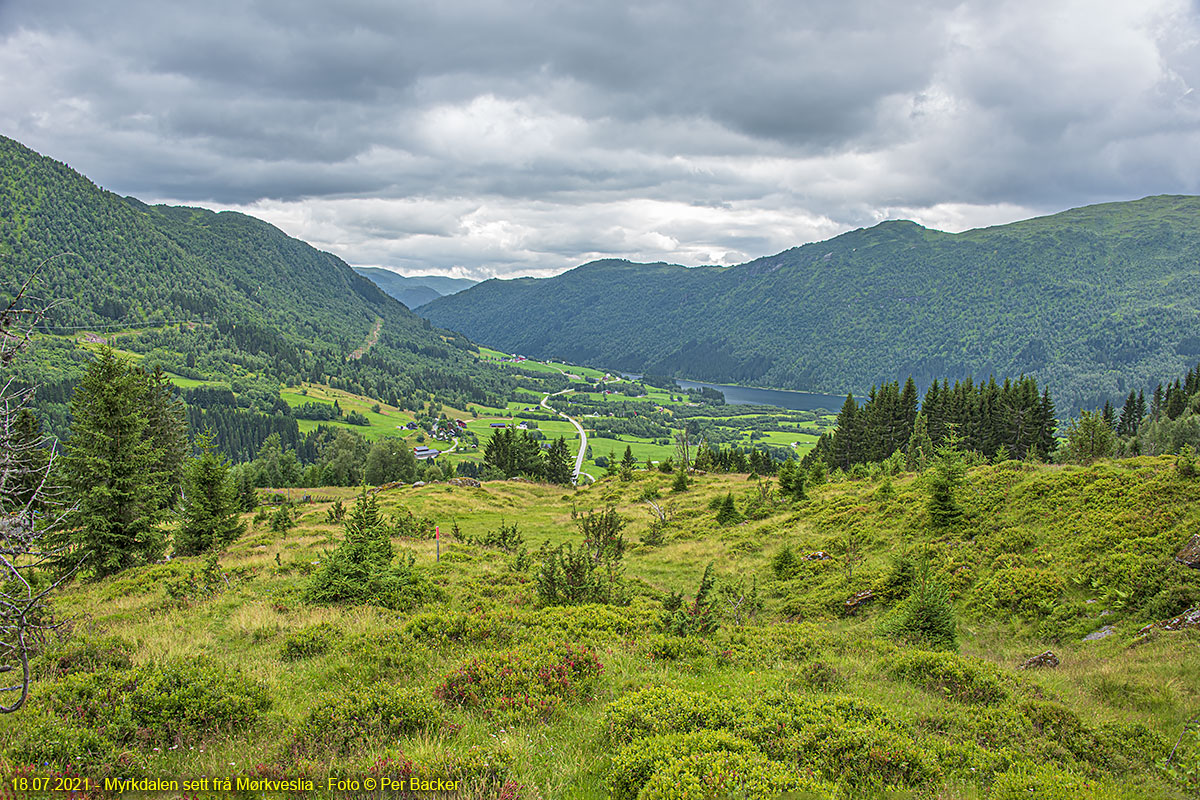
[440, 627]
[664, 647]
[961, 678]
[635, 763]
[82, 654]
[524, 684]
[313, 640]
[1043, 781]
[1024, 590]
[722, 773]
[161, 704]
[340, 723]
[660, 710]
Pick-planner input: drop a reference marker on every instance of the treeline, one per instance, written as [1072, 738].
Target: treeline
[1012, 420]
[511, 453]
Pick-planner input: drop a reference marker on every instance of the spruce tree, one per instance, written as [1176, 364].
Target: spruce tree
[559, 468]
[920, 445]
[1125, 424]
[210, 502]
[110, 468]
[166, 425]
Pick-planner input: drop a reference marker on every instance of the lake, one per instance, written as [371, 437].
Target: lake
[796, 401]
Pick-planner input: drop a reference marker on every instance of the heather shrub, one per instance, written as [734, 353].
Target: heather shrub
[341, 722]
[635, 763]
[665, 647]
[1024, 590]
[724, 774]
[439, 627]
[961, 678]
[310, 641]
[161, 703]
[524, 684]
[661, 709]
[82, 654]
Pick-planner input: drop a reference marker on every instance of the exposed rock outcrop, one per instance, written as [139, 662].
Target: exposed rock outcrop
[1046, 660]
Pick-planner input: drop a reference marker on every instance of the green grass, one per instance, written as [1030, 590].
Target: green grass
[1112, 523]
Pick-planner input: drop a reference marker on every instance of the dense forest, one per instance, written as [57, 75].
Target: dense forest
[1094, 302]
[208, 296]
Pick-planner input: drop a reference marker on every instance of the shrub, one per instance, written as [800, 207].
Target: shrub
[926, 617]
[592, 573]
[845, 739]
[362, 571]
[1025, 590]
[662, 647]
[662, 710]
[524, 684]
[722, 774]
[1043, 781]
[635, 763]
[83, 654]
[161, 703]
[437, 628]
[961, 678]
[696, 618]
[767, 644]
[342, 722]
[314, 640]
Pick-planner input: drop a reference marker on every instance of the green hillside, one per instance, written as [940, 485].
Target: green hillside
[1092, 301]
[209, 297]
[470, 677]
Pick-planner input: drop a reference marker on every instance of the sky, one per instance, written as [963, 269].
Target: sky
[494, 139]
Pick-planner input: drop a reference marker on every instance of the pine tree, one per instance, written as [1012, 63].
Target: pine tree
[1108, 415]
[628, 462]
[559, 468]
[1126, 425]
[166, 425]
[920, 446]
[949, 472]
[210, 514]
[1089, 438]
[110, 467]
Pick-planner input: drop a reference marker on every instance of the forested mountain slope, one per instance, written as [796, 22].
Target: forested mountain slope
[416, 290]
[1092, 301]
[216, 295]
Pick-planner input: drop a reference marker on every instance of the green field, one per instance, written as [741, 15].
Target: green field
[958, 724]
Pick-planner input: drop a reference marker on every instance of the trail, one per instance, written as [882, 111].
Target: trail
[582, 435]
[370, 341]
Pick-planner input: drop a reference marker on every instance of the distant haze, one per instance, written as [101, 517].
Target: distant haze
[480, 139]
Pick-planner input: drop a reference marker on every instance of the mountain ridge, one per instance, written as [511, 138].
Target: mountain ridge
[1094, 301]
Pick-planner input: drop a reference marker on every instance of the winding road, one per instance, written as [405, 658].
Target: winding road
[582, 435]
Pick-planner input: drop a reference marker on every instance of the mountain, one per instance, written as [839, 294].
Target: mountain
[210, 296]
[1092, 301]
[416, 290]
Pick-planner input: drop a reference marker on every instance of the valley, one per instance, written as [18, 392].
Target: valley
[269, 526]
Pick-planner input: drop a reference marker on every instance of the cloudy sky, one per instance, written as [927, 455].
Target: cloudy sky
[523, 137]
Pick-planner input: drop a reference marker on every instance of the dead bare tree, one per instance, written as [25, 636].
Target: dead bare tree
[30, 510]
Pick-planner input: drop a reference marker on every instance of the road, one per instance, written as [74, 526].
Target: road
[582, 435]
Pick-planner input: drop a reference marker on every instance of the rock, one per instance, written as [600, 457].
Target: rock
[1189, 556]
[471, 482]
[1188, 620]
[418, 483]
[1103, 633]
[1046, 660]
[819, 555]
[1104, 613]
[859, 598]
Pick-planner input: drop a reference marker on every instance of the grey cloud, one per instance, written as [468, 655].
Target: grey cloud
[489, 137]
